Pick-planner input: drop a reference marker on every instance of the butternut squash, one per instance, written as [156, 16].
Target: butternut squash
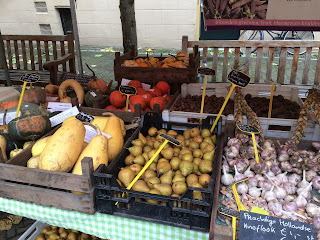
[115, 143]
[97, 149]
[3, 146]
[63, 149]
[38, 147]
[76, 87]
[51, 89]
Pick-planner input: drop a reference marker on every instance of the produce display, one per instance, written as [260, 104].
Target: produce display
[176, 168]
[181, 60]
[55, 233]
[281, 108]
[159, 94]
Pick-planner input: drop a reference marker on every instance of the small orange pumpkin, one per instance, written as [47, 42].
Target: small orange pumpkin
[97, 84]
[144, 64]
[170, 59]
[181, 56]
[9, 104]
[130, 63]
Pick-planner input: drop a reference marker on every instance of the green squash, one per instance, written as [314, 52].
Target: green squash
[92, 96]
[29, 127]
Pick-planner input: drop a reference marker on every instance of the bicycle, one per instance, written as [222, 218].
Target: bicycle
[276, 35]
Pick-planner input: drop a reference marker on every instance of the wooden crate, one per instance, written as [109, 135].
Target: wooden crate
[174, 76]
[221, 90]
[50, 188]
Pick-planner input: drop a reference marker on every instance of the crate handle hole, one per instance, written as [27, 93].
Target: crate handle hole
[279, 128]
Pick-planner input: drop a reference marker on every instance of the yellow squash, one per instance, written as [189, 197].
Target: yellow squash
[63, 149]
[97, 149]
[115, 143]
[3, 146]
[33, 162]
[39, 146]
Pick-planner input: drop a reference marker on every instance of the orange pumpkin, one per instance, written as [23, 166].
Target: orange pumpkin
[140, 60]
[165, 65]
[181, 56]
[117, 99]
[97, 84]
[144, 64]
[170, 59]
[130, 63]
[9, 104]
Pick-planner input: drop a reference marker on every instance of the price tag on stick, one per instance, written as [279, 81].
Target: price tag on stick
[206, 72]
[166, 140]
[26, 78]
[271, 100]
[237, 79]
[253, 131]
[127, 90]
[241, 207]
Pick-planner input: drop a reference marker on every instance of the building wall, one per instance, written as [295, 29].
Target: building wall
[159, 23]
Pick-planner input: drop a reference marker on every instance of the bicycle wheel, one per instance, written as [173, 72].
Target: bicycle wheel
[250, 35]
[298, 35]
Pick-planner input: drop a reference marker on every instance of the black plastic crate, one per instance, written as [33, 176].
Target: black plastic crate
[184, 212]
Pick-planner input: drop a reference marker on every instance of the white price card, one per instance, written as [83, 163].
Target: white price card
[57, 106]
[59, 118]
[9, 117]
[90, 133]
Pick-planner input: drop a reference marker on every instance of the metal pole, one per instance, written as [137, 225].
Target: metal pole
[76, 34]
[3, 61]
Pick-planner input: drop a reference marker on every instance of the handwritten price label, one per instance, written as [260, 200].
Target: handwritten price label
[30, 78]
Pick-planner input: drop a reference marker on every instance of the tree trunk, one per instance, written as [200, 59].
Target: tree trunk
[128, 21]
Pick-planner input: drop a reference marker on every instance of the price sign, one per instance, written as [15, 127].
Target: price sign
[170, 139]
[84, 117]
[128, 90]
[248, 128]
[26, 78]
[263, 227]
[239, 78]
[252, 130]
[30, 78]
[206, 71]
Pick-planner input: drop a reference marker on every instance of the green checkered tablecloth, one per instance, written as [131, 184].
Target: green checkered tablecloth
[100, 225]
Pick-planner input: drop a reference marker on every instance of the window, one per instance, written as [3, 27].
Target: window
[45, 29]
[41, 7]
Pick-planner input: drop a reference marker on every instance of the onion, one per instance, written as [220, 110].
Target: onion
[237, 176]
[300, 201]
[282, 177]
[312, 209]
[316, 222]
[290, 188]
[294, 179]
[310, 175]
[226, 178]
[316, 182]
[290, 206]
[304, 183]
[275, 206]
[255, 192]
[242, 188]
[252, 182]
[249, 173]
[269, 195]
[280, 192]
[275, 169]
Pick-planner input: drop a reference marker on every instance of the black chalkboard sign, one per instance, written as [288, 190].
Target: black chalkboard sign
[262, 227]
[170, 139]
[238, 78]
[30, 78]
[248, 128]
[84, 117]
[206, 71]
[128, 90]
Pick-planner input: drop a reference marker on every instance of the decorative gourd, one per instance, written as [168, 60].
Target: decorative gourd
[51, 89]
[117, 99]
[38, 147]
[35, 95]
[9, 104]
[33, 162]
[115, 143]
[29, 127]
[76, 87]
[91, 96]
[130, 63]
[15, 152]
[3, 146]
[97, 84]
[27, 144]
[64, 147]
[97, 149]
[169, 60]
